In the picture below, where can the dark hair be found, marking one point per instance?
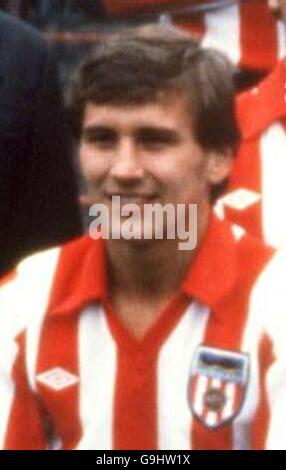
(142, 65)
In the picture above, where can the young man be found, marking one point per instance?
(257, 191)
(132, 342)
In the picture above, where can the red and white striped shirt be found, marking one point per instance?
(245, 30)
(80, 381)
(257, 191)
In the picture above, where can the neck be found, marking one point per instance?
(154, 268)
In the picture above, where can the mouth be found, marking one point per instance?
(134, 198)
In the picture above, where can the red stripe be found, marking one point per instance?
(246, 174)
(135, 421)
(258, 35)
(246, 171)
(262, 106)
(261, 420)
(135, 415)
(59, 348)
(205, 410)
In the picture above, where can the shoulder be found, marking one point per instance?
(253, 252)
(38, 270)
(40, 264)
(269, 300)
(249, 255)
(253, 258)
(29, 288)
(20, 292)
(271, 285)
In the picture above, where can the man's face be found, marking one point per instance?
(278, 7)
(146, 154)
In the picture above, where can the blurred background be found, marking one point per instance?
(244, 29)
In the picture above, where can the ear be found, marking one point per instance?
(84, 200)
(219, 166)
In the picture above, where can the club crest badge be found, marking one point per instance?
(217, 385)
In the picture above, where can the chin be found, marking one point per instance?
(136, 235)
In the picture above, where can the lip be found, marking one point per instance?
(130, 197)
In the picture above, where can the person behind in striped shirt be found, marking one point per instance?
(129, 342)
(242, 29)
(257, 189)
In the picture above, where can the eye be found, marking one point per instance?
(156, 139)
(153, 143)
(102, 138)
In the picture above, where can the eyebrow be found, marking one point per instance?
(141, 133)
(158, 133)
(90, 132)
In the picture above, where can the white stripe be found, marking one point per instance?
(216, 383)
(38, 275)
(242, 424)
(223, 31)
(268, 308)
(7, 358)
(11, 320)
(97, 364)
(201, 388)
(281, 40)
(229, 393)
(276, 387)
(273, 158)
(24, 297)
(211, 419)
(32, 279)
(174, 415)
(10, 324)
(271, 295)
(253, 332)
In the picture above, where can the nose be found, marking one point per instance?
(127, 165)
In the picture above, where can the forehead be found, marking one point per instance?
(169, 112)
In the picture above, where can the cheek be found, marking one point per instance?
(195, 165)
(181, 162)
(92, 167)
(183, 177)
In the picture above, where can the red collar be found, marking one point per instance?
(81, 276)
(213, 271)
(263, 105)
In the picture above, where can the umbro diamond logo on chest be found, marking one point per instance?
(57, 379)
(241, 199)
